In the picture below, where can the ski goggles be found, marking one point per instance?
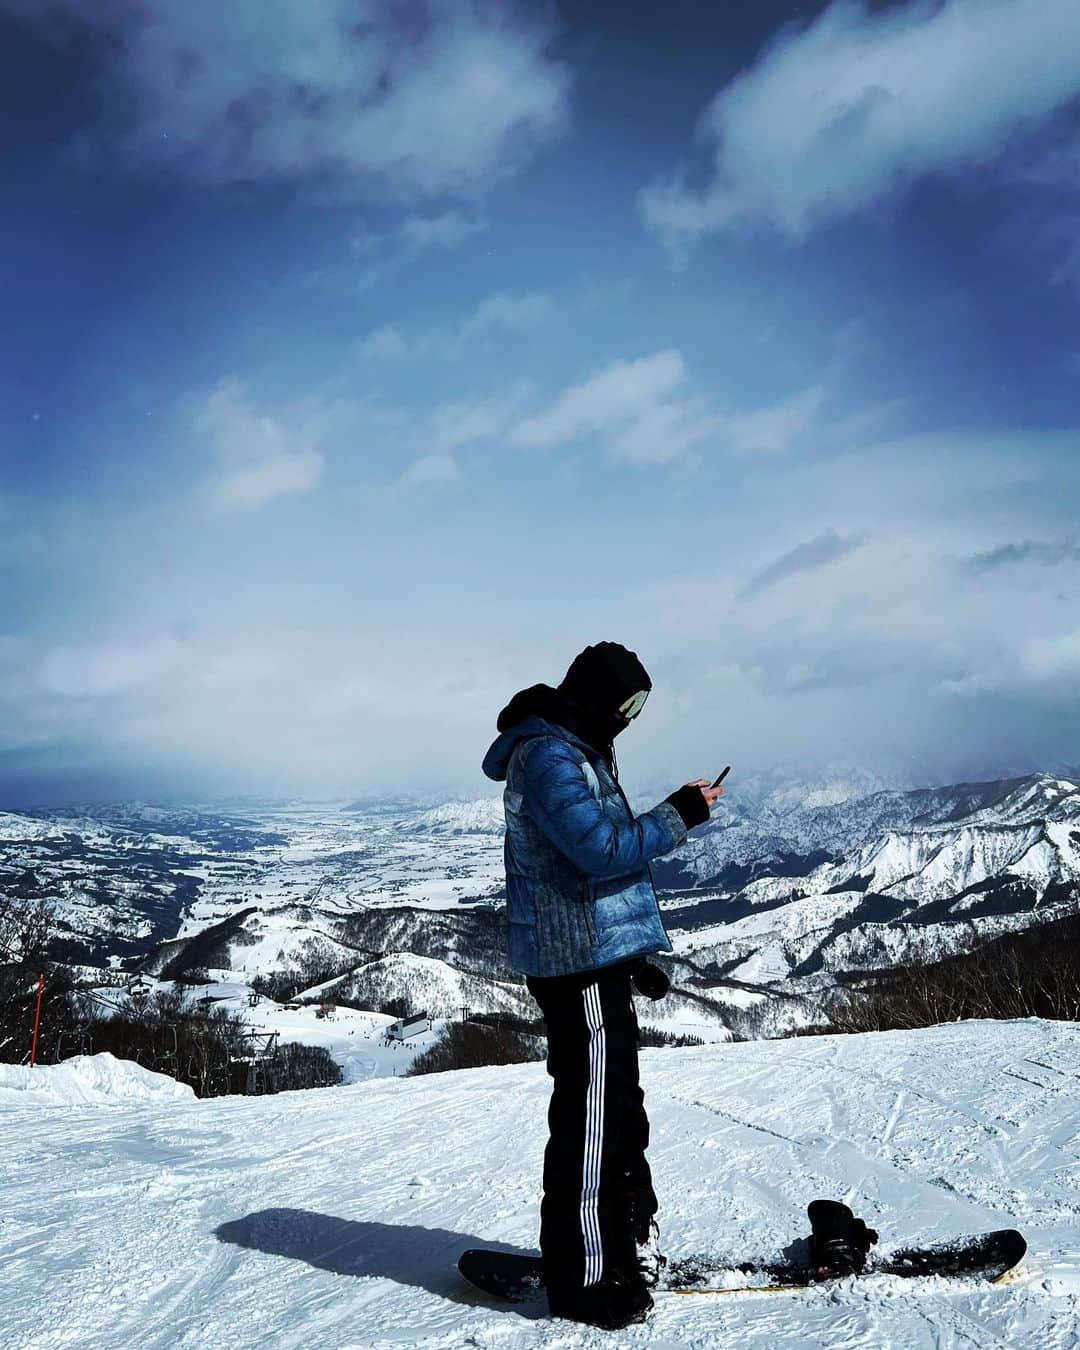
(633, 704)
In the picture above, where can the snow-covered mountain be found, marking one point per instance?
(911, 876)
(482, 816)
(335, 1218)
(790, 886)
(781, 840)
(427, 985)
(119, 878)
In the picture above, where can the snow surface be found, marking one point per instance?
(87, 1080)
(333, 1218)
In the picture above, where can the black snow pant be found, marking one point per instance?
(596, 1178)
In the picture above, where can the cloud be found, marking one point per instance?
(513, 313)
(387, 343)
(305, 673)
(773, 429)
(867, 421)
(645, 414)
(423, 99)
(251, 487)
(261, 459)
(1028, 551)
(436, 439)
(436, 468)
(467, 422)
(1053, 659)
(417, 234)
(809, 557)
(638, 407)
(104, 669)
(838, 115)
(500, 313)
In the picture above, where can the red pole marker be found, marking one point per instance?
(37, 1017)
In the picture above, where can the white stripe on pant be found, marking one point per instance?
(594, 1137)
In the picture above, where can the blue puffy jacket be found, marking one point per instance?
(579, 892)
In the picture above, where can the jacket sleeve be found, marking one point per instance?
(558, 798)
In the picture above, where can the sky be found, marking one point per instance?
(363, 361)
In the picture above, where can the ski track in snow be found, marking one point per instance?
(334, 1218)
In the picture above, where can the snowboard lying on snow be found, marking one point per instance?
(987, 1258)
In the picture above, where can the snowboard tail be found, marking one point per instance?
(512, 1276)
(987, 1258)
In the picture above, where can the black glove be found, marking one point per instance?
(650, 981)
(690, 803)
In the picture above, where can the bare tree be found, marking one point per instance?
(1034, 973)
(26, 928)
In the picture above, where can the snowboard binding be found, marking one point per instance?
(650, 1259)
(839, 1241)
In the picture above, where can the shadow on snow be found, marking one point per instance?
(406, 1253)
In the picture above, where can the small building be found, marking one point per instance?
(405, 1027)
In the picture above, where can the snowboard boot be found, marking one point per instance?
(838, 1240)
(615, 1301)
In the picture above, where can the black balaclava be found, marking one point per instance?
(587, 701)
(600, 679)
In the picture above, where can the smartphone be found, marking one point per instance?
(722, 776)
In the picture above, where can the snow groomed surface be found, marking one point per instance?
(334, 1218)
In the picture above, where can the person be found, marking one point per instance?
(582, 916)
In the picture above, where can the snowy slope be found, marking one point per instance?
(333, 1218)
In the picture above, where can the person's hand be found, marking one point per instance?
(711, 794)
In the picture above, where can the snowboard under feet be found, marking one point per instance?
(986, 1258)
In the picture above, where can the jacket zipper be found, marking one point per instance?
(590, 912)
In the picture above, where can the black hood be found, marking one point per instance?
(587, 700)
(602, 677)
(539, 700)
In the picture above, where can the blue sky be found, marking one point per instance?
(365, 361)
